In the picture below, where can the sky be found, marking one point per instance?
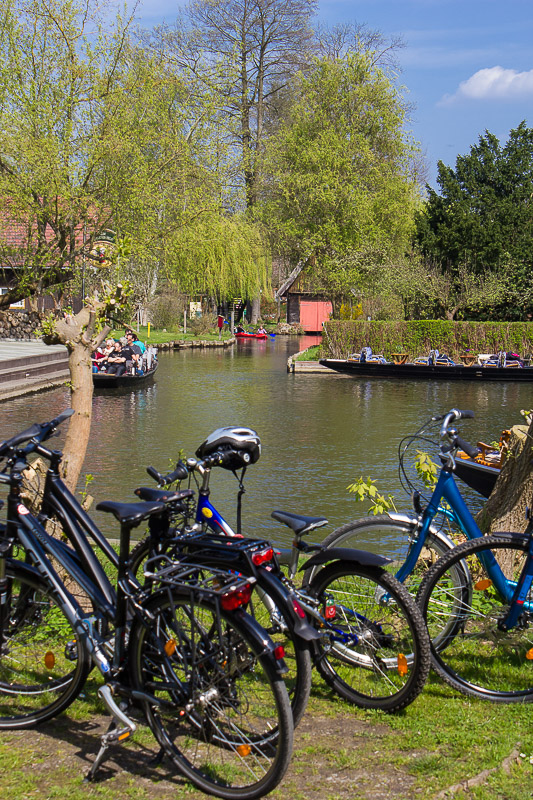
(467, 65)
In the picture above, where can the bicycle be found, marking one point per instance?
(360, 643)
(457, 591)
(205, 675)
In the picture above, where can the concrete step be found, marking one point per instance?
(40, 358)
(37, 383)
(31, 368)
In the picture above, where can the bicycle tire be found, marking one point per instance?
(43, 663)
(479, 659)
(392, 539)
(384, 659)
(297, 653)
(225, 719)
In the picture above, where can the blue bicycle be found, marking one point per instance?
(476, 597)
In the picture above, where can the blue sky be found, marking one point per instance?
(467, 65)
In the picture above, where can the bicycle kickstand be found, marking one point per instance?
(120, 728)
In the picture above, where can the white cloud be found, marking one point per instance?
(494, 83)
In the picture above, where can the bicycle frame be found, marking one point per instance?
(446, 489)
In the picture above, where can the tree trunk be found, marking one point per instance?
(256, 309)
(79, 429)
(505, 510)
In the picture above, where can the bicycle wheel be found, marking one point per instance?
(224, 717)
(391, 538)
(43, 664)
(375, 650)
(479, 658)
(279, 627)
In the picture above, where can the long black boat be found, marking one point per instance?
(103, 380)
(452, 372)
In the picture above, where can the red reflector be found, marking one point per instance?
(279, 652)
(329, 610)
(261, 556)
(236, 598)
(298, 610)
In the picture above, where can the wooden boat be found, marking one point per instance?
(449, 372)
(481, 472)
(251, 335)
(103, 380)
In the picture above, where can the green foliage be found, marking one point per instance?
(418, 337)
(481, 220)
(367, 490)
(339, 172)
(426, 469)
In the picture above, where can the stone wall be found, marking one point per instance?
(19, 325)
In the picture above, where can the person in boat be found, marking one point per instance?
(101, 355)
(366, 353)
(239, 329)
(116, 362)
(260, 329)
(132, 353)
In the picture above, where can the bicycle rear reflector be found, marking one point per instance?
(279, 652)
(529, 654)
(170, 647)
(403, 669)
(236, 598)
(262, 556)
(483, 584)
(49, 660)
(298, 610)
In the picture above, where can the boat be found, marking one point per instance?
(479, 475)
(439, 370)
(104, 380)
(251, 335)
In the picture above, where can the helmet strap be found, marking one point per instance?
(239, 499)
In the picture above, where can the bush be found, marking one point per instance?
(418, 337)
(207, 323)
(166, 311)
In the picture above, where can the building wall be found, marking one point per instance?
(313, 313)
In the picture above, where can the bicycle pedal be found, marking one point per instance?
(123, 722)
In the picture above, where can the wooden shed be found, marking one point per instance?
(305, 304)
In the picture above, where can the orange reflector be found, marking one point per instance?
(403, 669)
(49, 660)
(529, 654)
(124, 736)
(243, 749)
(170, 647)
(483, 584)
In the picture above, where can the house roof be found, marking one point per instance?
(284, 288)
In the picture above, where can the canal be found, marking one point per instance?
(319, 432)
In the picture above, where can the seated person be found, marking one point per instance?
(132, 353)
(239, 328)
(132, 338)
(260, 329)
(116, 362)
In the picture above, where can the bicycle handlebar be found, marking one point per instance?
(182, 470)
(37, 433)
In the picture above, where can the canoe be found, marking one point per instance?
(101, 380)
(251, 335)
(452, 372)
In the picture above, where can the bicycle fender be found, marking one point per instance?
(262, 644)
(363, 557)
(284, 598)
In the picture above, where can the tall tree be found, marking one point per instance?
(339, 181)
(481, 221)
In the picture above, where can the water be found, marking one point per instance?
(319, 432)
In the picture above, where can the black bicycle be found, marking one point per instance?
(370, 644)
(206, 675)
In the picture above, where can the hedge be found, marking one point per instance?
(418, 337)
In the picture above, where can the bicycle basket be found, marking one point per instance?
(419, 460)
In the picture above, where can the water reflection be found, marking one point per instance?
(319, 432)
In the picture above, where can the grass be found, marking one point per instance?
(341, 753)
(313, 353)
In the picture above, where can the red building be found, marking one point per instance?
(305, 305)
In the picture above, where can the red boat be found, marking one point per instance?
(251, 335)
